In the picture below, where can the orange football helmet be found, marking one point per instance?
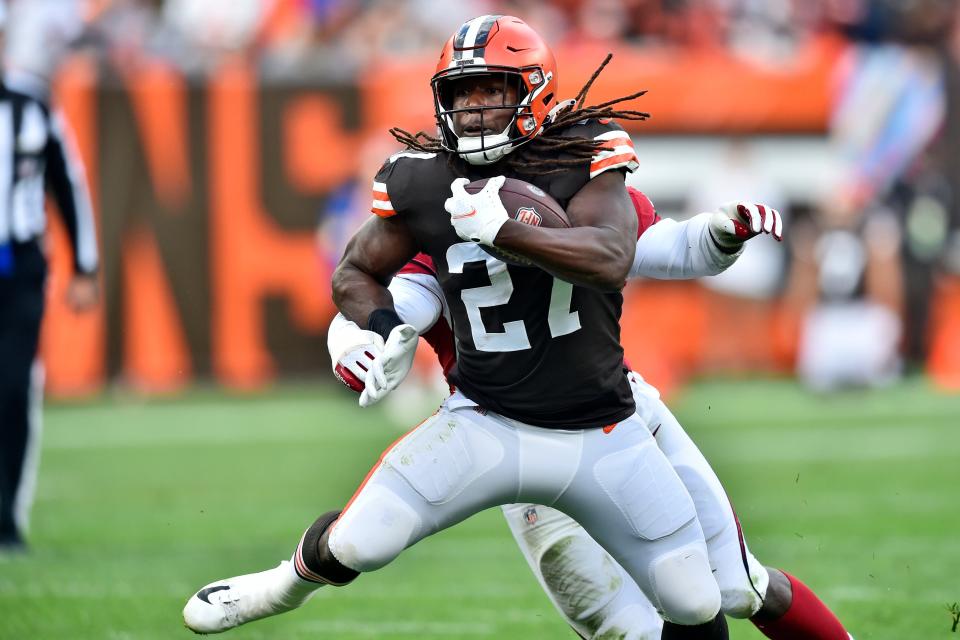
(496, 45)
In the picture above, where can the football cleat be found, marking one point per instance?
(235, 601)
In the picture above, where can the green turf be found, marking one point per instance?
(141, 503)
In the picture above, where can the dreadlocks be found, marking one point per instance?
(539, 155)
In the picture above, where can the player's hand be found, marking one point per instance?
(352, 367)
(737, 222)
(352, 352)
(388, 371)
(476, 216)
(83, 292)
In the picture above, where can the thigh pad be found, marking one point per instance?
(646, 490)
(445, 455)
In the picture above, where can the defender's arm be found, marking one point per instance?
(672, 250)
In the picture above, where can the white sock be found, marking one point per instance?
(291, 589)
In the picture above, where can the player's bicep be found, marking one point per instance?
(603, 202)
(379, 248)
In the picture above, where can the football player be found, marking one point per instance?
(543, 410)
(593, 593)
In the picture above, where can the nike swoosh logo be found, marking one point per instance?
(654, 432)
(204, 594)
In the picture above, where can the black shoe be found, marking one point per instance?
(12, 543)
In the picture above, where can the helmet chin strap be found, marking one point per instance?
(472, 149)
(476, 149)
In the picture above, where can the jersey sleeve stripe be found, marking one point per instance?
(610, 135)
(381, 201)
(383, 209)
(614, 151)
(613, 143)
(625, 160)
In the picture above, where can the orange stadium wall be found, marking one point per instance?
(208, 194)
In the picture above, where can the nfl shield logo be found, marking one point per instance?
(530, 515)
(528, 215)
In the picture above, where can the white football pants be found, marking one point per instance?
(615, 482)
(591, 590)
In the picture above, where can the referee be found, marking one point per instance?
(34, 158)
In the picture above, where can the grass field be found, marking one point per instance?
(141, 503)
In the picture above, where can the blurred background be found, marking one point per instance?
(229, 146)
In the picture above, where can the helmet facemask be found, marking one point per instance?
(487, 147)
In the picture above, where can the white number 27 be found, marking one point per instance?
(514, 337)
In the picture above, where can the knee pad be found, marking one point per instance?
(313, 560)
(742, 579)
(685, 588)
(374, 530)
(740, 603)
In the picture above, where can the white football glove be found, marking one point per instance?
(352, 352)
(737, 222)
(476, 216)
(388, 371)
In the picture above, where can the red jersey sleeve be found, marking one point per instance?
(646, 213)
(422, 264)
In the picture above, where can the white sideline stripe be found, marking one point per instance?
(888, 441)
(84, 590)
(386, 628)
(860, 593)
(81, 589)
(124, 441)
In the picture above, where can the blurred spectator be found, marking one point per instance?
(37, 153)
(552, 20)
(348, 206)
(890, 124)
(849, 270)
(758, 274)
(765, 31)
(742, 295)
(38, 35)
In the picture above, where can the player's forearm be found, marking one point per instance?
(357, 294)
(378, 249)
(671, 250)
(595, 257)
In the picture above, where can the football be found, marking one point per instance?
(526, 203)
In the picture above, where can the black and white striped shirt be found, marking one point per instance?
(36, 155)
